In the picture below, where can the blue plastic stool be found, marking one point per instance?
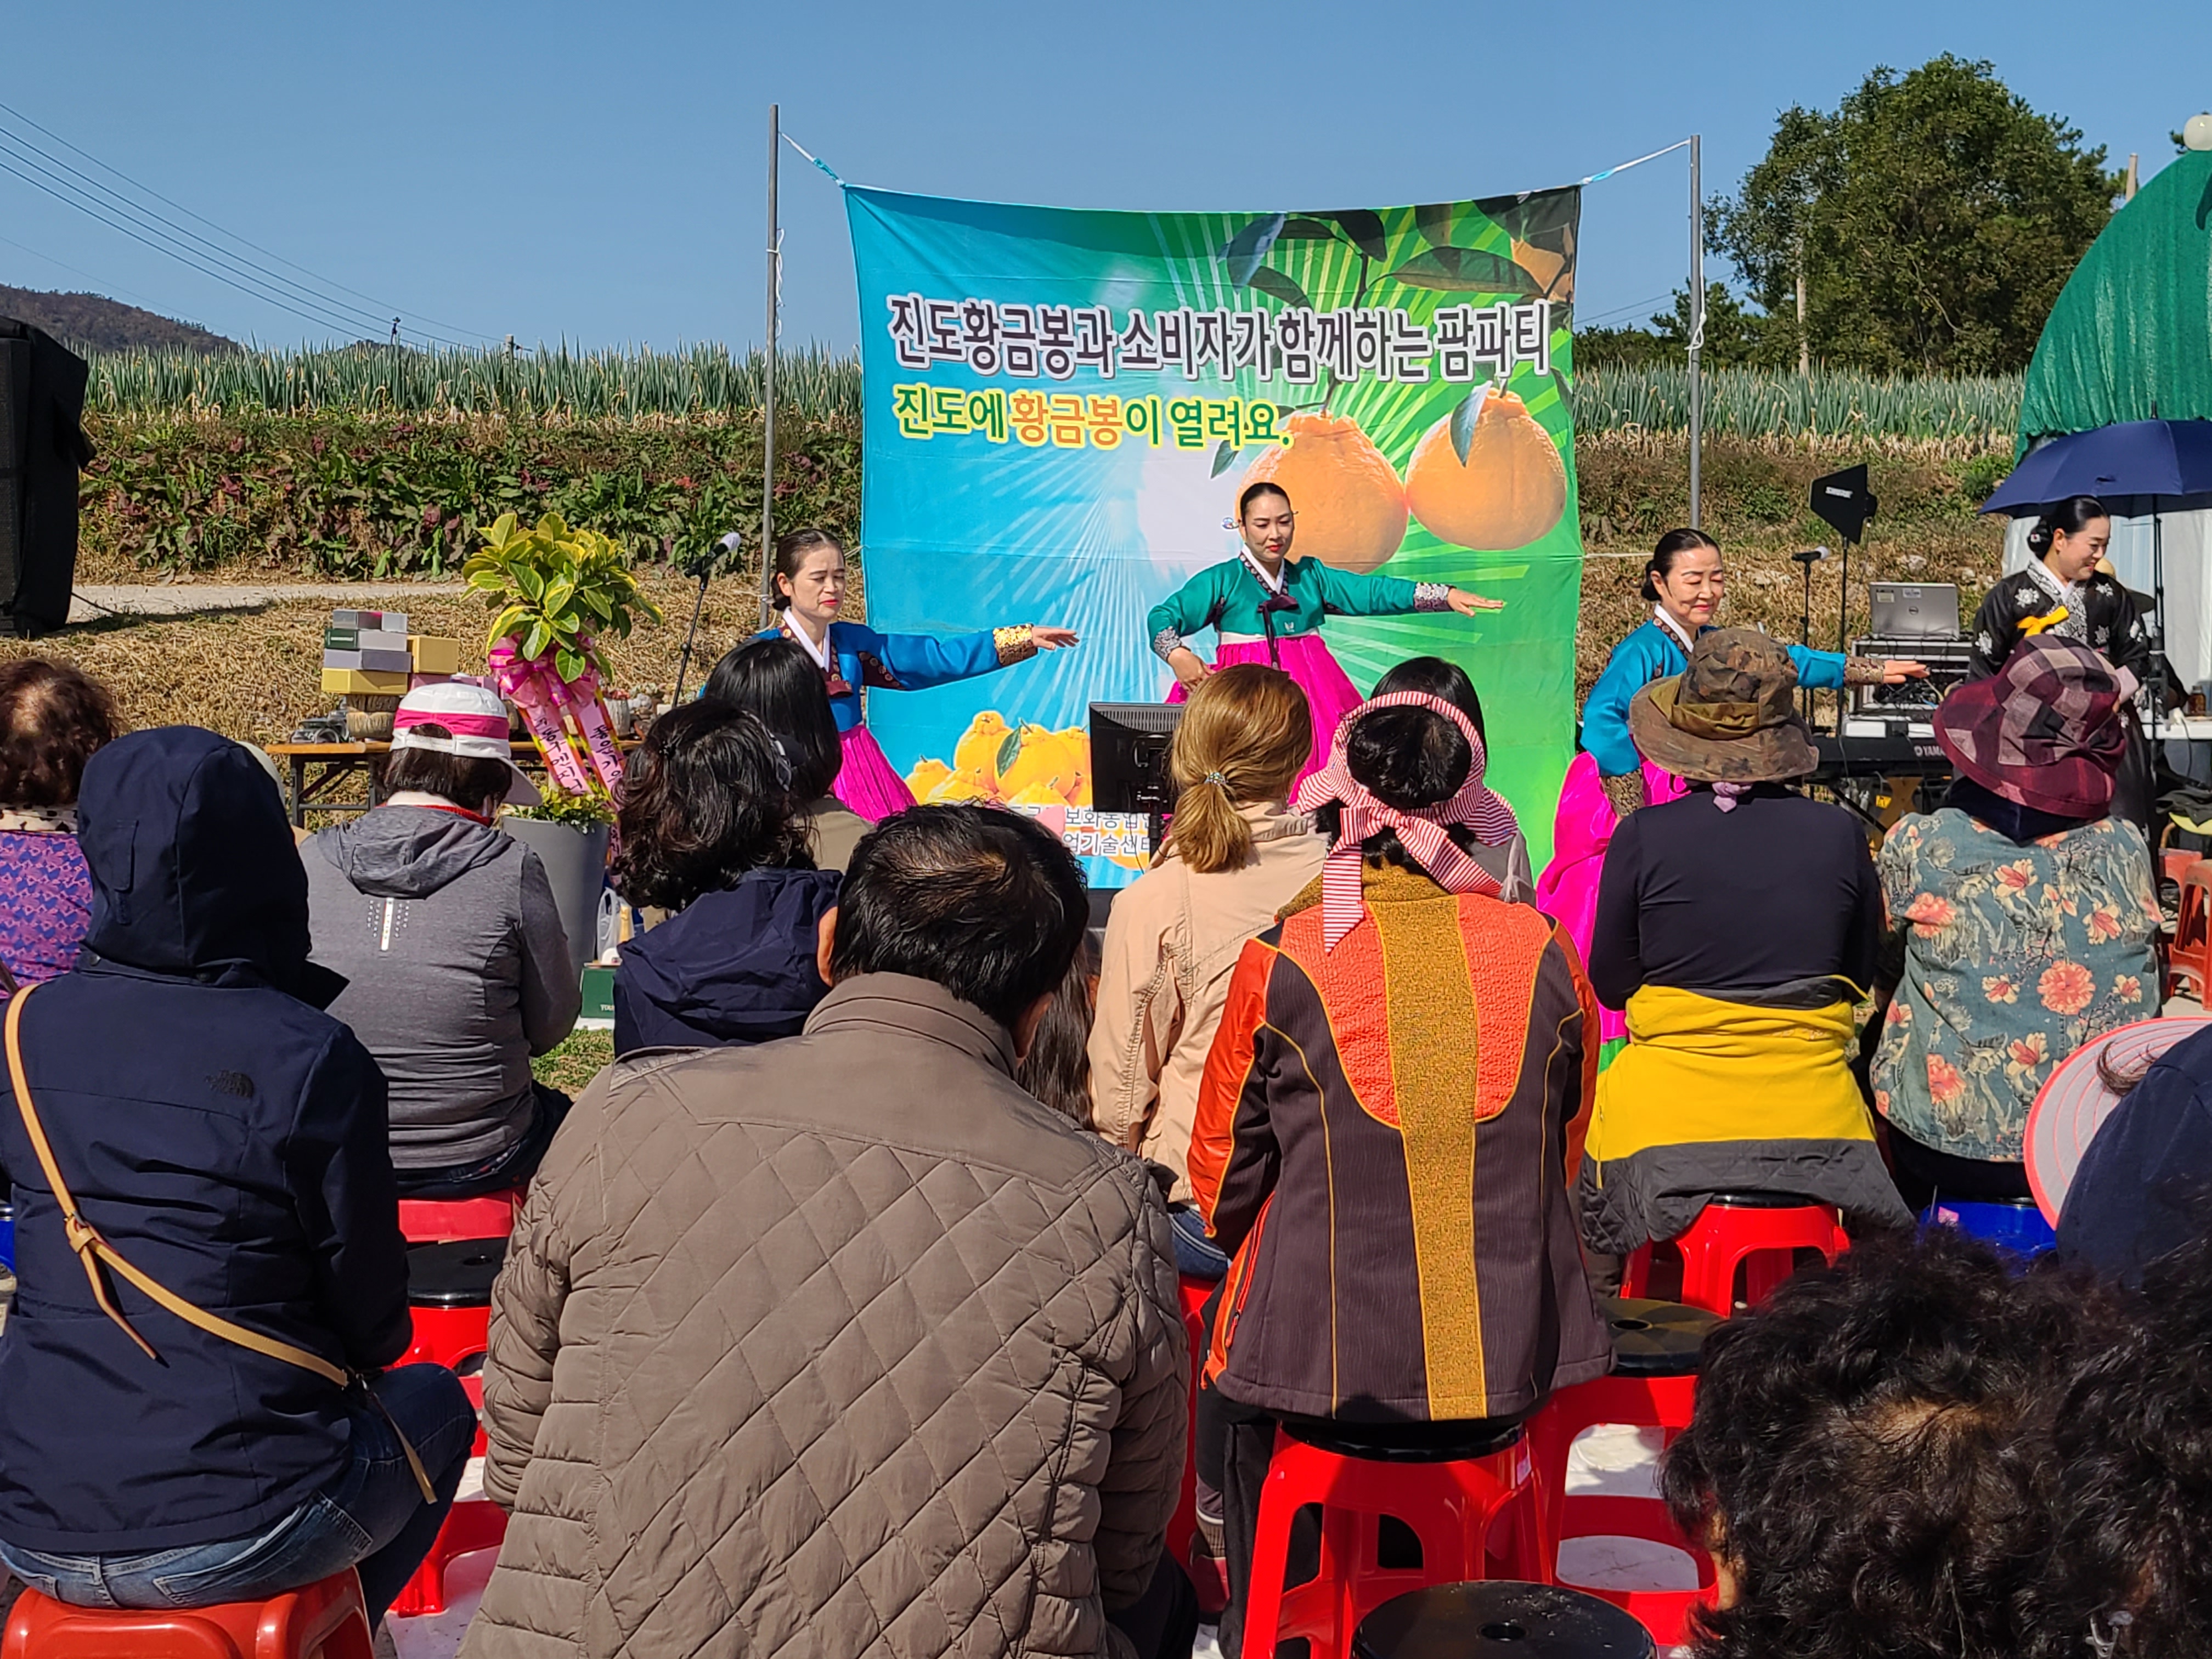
(2017, 1225)
(7, 1237)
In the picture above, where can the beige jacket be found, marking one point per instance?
(834, 1346)
(1172, 941)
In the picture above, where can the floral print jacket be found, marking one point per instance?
(2015, 957)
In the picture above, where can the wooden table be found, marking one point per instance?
(342, 760)
(339, 761)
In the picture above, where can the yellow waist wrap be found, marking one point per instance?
(1698, 1068)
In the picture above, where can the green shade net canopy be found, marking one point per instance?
(2130, 338)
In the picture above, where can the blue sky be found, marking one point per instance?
(595, 171)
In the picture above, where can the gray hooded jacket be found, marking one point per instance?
(457, 972)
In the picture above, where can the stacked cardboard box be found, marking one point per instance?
(371, 654)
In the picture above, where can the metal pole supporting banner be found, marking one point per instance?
(768, 375)
(1697, 320)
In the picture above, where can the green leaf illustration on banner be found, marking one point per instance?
(1465, 271)
(1420, 425)
(1249, 246)
(1366, 231)
(1273, 283)
(1464, 417)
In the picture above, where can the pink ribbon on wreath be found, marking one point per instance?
(1423, 829)
(533, 687)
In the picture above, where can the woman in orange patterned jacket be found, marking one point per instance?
(1406, 1062)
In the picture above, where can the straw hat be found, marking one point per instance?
(2075, 1100)
(1731, 717)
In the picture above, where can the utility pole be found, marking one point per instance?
(1697, 327)
(768, 375)
(1804, 334)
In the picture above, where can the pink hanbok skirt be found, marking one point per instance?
(866, 782)
(1329, 691)
(1567, 890)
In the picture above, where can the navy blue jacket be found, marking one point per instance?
(2145, 1184)
(228, 1139)
(733, 967)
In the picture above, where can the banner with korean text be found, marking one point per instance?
(1062, 405)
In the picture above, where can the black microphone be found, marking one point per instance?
(1810, 555)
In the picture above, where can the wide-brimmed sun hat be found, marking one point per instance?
(478, 720)
(2075, 1100)
(2044, 731)
(1730, 717)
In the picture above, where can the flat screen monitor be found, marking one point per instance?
(1129, 755)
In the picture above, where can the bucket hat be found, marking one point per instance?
(478, 720)
(2045, 730)
(1730, 717)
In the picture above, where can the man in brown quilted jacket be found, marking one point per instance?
(843, 1344)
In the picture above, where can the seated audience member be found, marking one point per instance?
(710, 829)
(2140, 1191)
(2030, 919)
(226, 1138)
(1509, 859)
(1235, 854)
(918, 1385)
(2134, 1449)
(54, 717)
(445, 930)
(1870, 1459)
(1737, 926)
(776, 680)
(1057, 1068)
(1398, 1086)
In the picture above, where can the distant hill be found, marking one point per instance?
(94, 322)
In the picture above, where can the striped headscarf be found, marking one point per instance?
(1422, 829)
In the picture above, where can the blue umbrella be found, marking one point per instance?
(2134, 458)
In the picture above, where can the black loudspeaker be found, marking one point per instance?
(42, 450)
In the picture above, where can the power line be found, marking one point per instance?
(182, 259)
(116, 201)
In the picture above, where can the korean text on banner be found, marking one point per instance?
(1062, 405)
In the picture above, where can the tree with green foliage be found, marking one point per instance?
(1732, 336)
(1928, 223)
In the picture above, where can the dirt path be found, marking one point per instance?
(90, 601)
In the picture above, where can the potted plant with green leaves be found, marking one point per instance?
(555, 592)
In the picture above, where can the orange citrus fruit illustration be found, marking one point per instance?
(1351, 507)
(1511, 489)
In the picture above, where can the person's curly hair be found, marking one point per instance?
(1869, 1456)
(707, 797)
(2134, 1441)
(53, 718)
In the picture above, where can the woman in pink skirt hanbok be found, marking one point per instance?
(810, 585)
(1266, 607)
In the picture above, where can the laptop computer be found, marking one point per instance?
(1914, 610)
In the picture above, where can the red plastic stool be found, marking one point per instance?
(1183, 1527)
(449, 1300)
(1452, 1504)
(325, 1620)
(1653, 1385)
(440, 1220)
(2188, 959)
(1759, 1233)
(472, 1524)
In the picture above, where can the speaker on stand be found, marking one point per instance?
(43, 448)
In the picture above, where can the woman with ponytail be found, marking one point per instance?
(1235, 855)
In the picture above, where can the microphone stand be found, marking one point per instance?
(1805, 561)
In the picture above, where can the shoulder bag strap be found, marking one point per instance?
(95, 1252)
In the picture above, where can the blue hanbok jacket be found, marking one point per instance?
(1652, 653)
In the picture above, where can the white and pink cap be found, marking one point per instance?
(478, 720)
